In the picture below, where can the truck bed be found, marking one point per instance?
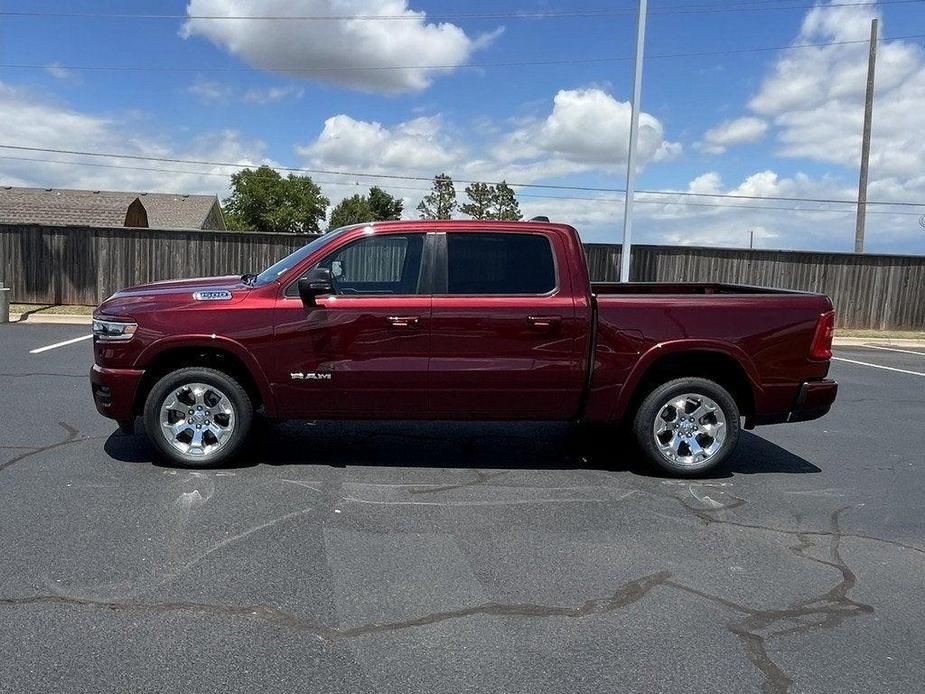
(682, 288)
(769, 332)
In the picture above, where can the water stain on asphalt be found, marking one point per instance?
(481, 477)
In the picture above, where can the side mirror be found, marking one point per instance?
(316, 283)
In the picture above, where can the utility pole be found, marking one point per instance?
(751, 238)
(631, 153)
(865, 140)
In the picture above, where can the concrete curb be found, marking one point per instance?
(877, 341)
(51, 318)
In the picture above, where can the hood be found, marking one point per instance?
(229, 282)
(172, 294)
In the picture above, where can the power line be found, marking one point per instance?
(327, 18)
(354, 185)
(543, 14)
(521, 194)
(511, 63)
(430, 179)
(707, 9)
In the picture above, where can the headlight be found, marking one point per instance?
(113, 331)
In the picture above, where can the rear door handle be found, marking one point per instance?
(404, 321)
(544, 322)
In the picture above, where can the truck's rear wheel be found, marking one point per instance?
(687, 426)
(197, 417)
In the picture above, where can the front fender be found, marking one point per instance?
(213, 341)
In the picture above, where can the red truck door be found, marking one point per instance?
(363, 352)
(505, 339)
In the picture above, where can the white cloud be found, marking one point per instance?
(815, 96)
(668, 151)
(540, 148)
(704, 220)
(210, 91)
(272, 94)
(417, 145)
(60, 73)
(303, 47)
(733, 132)
(42, 123)
(590, 129)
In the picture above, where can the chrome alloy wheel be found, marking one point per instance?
(197, 419)
(689, 429)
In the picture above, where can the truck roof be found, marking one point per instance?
(469, 225)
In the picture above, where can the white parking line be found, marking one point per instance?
(895, 349)
(59, 344)
(878, 366)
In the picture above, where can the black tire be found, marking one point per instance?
(174, 382)
(659, 401)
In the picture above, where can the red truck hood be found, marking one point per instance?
(229, 282)
(171, 293)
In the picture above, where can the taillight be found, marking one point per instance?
(822, 340)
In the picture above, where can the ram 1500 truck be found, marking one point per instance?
(463, 320)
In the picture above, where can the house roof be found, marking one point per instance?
(105, 208)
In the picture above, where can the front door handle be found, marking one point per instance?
(404, 321)
(544, 322)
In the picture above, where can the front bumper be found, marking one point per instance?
(814, 399)
(114, 391)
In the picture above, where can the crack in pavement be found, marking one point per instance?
(625, 595)
(825, 611)
(755, 629)
(73, 436)
(704, 515)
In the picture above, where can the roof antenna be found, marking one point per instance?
(540, 218)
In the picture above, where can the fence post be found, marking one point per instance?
(4, 304)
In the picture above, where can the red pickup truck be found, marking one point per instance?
(469, 320)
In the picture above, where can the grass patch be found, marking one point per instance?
(46, 309)
(883, 334)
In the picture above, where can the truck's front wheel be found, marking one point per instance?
(197, 416)
(687, 426)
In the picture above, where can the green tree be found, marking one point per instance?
(384, 206)
(440, 203)
(352, 210)
(376, 207)
(262, 200)
(504, 205)
(487, 201)
(481, 199)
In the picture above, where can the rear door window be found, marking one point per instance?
(499, 264)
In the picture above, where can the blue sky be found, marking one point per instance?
(777, 123)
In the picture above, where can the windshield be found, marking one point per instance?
(272, 273)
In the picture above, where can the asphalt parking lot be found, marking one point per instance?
(343, 557)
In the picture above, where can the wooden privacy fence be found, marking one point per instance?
(84, 265)
(880, 292)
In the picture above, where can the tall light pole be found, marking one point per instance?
(631, 153)
(865, 140)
